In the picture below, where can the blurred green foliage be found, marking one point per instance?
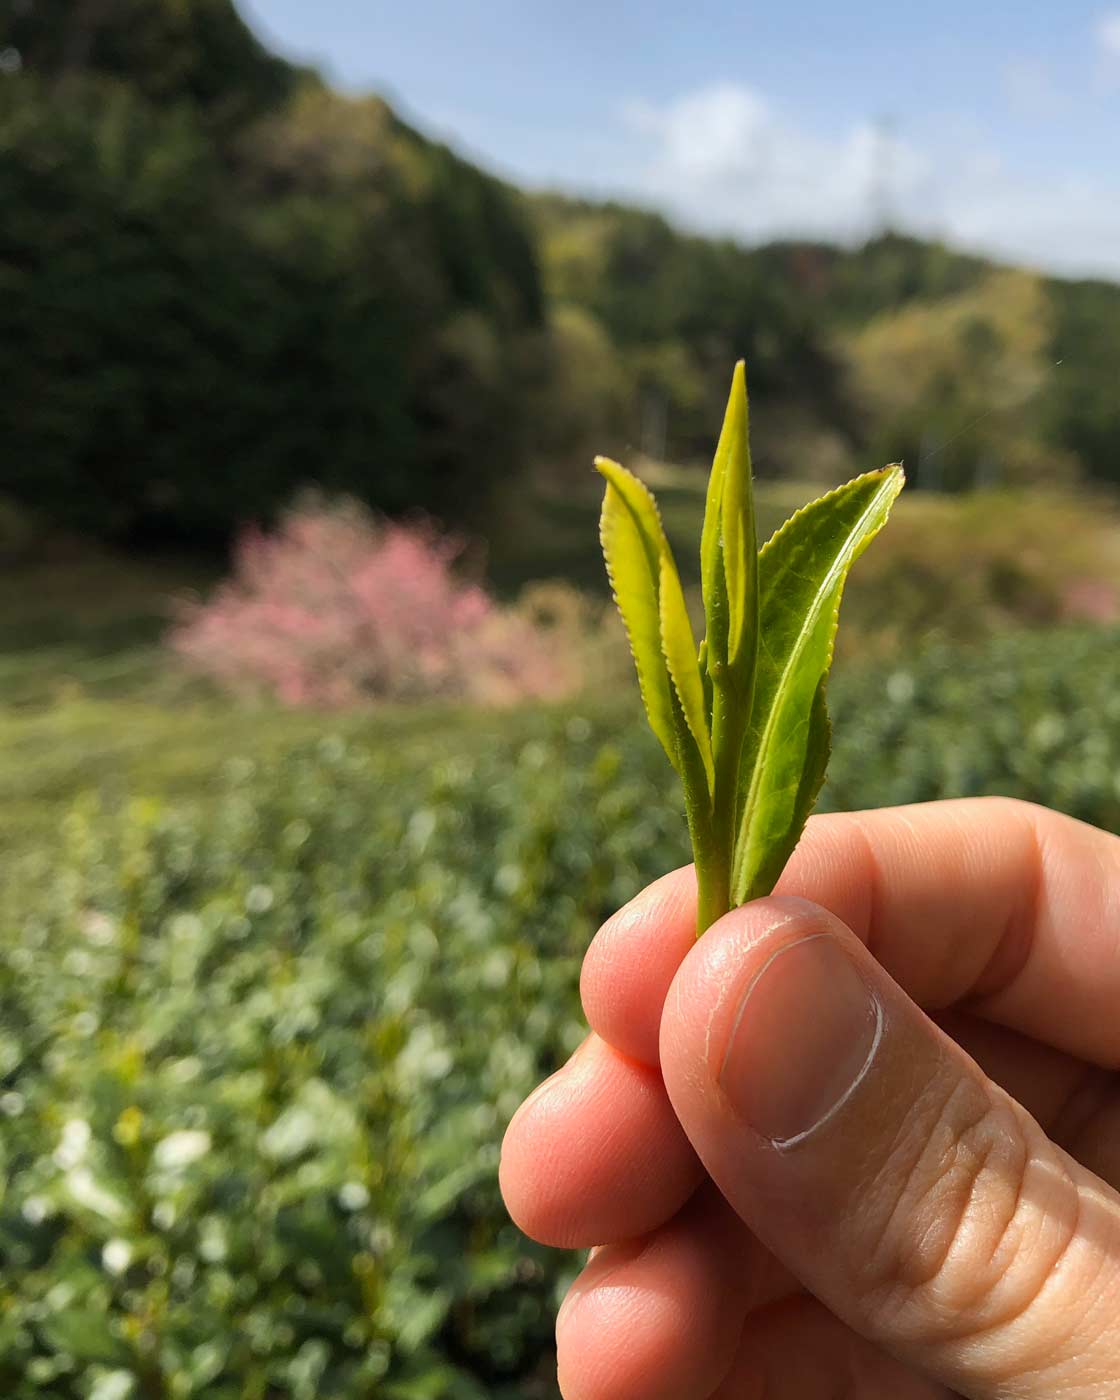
(295, 1034)
(257, 1050)
(960, 388)
(201, 51)
(901, 349)
(679, 310)
(221, 281)
(263, 1018)
(199, 315)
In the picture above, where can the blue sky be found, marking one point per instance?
(994, 124)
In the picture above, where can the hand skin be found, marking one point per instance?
(862, 1139)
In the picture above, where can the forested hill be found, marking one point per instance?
(220, 280)
(891, 350)
(200, 52)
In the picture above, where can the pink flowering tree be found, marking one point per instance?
(337, 608)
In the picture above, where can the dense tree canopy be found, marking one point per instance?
(200, 315)
(681, 309)
(221, 280)
(170, 51)
(960, 387)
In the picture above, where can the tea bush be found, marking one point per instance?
(257, 1055)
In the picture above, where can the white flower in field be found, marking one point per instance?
(86, 1191)
(84, 1024)
(73, 1144)
(352, 1195)
(163, 1215)
(113, 1385)
(99, 929)
(77, 963)
(35, 1210)
(12, 1103)
(292, 1133)
(60, 1296)
(184, 1070)
(423, 1056)
(116, 1256)
(213, 1239)
(180, 1149)
(259, 899)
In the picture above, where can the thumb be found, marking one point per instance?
(865, 1149)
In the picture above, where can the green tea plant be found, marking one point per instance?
(347, 960)
(743, 717)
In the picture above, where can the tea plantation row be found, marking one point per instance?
(256, 1058)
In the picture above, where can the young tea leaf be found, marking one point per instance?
(679, 648)
(744, 720)
(633, 543)
(801, 576)
(706, 680)
(738, 539)
(713, 581)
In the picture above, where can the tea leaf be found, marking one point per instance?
(713, 580)
(679, 648)
(744, 719)
(706, 679)
(633, 543)
(801, 576)
(740, 546)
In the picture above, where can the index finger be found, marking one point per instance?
(1003, 907)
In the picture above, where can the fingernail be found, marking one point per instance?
(803, 1038)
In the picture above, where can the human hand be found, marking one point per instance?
(869, 1152)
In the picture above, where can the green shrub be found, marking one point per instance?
(347, 981)
(961, 568)
(193, 328)
(257, 1056)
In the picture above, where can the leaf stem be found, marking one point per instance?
(730, 713)
(713, 881)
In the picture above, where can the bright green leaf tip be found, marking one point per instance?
(740, 545)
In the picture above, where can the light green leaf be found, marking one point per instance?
(679, 647)
(801, 576)
(713, 583)
(730, 450)
(633, 542)
(706, 680)
(740, 546)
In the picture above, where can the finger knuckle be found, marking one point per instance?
(978, 1208)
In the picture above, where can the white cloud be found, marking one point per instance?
(1030, 88)
(714, 131)
(1108, 34)
(725, 160)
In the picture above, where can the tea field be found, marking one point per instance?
(272, 986)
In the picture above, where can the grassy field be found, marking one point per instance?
(281, 937)
(88, 699)
(331, 970)
(79, 619)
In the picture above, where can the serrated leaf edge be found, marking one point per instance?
(661, 725)
(690, 697)
(894, 473)
(892, 468)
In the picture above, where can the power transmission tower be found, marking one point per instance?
(881, 190)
